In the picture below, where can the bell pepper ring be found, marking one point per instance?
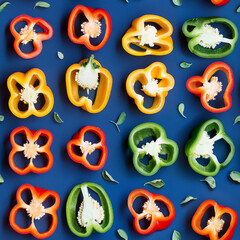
(215, 224)
(150, 211)
(208, 86)
(29, 94)
(201, 144)
(89, 75)
(92, 216)
(28, 34)
(30, 150)
(220, 2)
(91, 28)
(35, 210)
(161, 145)
(87, 148)
(147, 37)
(156, 83)
(203, 39)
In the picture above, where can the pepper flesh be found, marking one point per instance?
(35, 210)
(202, 145)
(203, 38)
(87, 147)
(148, 36)
(91, 28)
(216, 223)
(87, 221)
(156, 83)
(220, 2)
(28, 34)
(207, 86)
(29, 93)
(30, 150)
(161, 145)
(150, 211)
(89, 74)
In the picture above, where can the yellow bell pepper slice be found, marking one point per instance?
(156, 83)
(25, 88)
(147, 37)
(89, 74)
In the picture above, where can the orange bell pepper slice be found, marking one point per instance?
(32, 84)
(30, 150)
(149, 39)
(151, 86)
(28, 34)
(150, 211)
(207, 86)
(35, 210)
(90, 75)
(215, 224)
(88, 148)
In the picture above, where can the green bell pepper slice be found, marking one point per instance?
(91, 215)
(203, 38)
(202, 144)
(158, 147)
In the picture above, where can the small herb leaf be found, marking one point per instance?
(57, 118)
(122, 234)
(238, 9)
(1, 179)
(121, 118)
(177, 2)
(108, 177)
(176, 235)
(157, 183)
(237, 119)
(1, 118)
(181, 108)
(3, 5)
(235, 176)
(210, 181)
(115, 125)
(42, 4)
(188, 199)
(60, 55)
(185, 65)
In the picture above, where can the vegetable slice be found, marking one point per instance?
(122, 234)
(42, 4)
(57, 118)
(176, 235)
(60, 55)
(235, 176)
(3, 5)
(237, 119)
(177, 2)
(1, 179)
(157, 183)
(188, 199)
(108, 177)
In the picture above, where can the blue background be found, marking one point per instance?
(180, 179)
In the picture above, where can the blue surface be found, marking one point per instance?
(180, 179)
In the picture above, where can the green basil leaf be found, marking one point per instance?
(177, 2)
(108, 177)
(42, 4)
(176, 235)
(237, 119)
(57, 118)
(188, 199)
(181, 108)
(238, 10)
(210, 181)
(1, 179)
(157, 183)
(121, 118)
(3, 5)
(1, 118)
(185, 65)
(235, 176)
(60, 55)
(122, 234)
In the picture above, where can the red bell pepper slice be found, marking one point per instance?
(207, 86)
(215, 224)
(150, 211)
(28, 34)
(87, 147)
(220, 2)
(30, 150)
(91, 28)
(35, 210)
